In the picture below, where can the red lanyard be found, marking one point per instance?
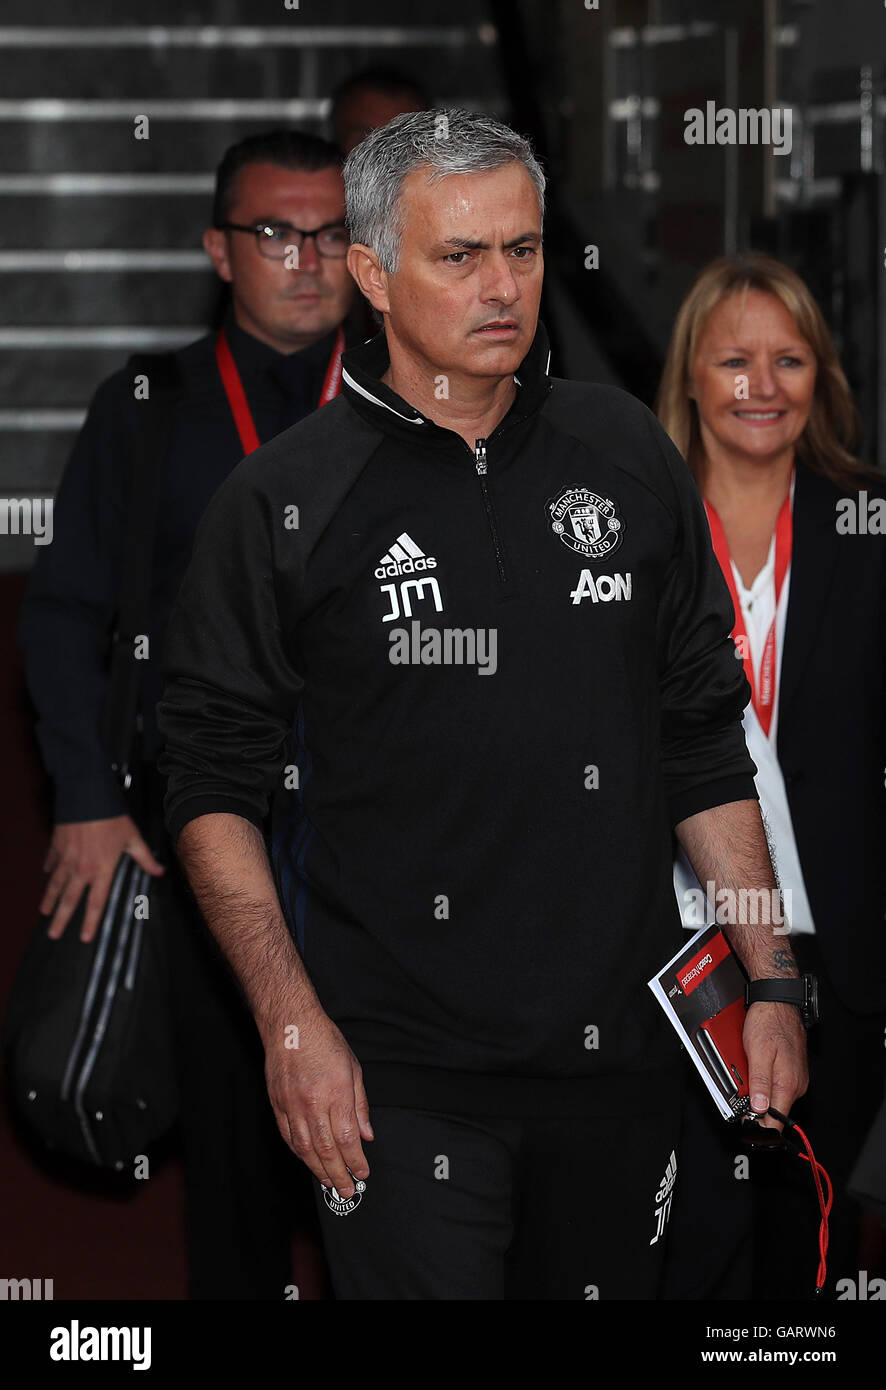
(764, 698)
(237, 396)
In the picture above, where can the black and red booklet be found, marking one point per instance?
(702, 991)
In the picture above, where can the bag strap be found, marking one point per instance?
(163, 376)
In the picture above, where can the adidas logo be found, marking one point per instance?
(404, 557)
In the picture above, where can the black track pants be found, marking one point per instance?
(466, 1208)
(244, 1189)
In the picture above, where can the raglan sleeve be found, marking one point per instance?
(703, 688)
(230, 691)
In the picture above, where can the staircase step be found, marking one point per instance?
(158, 221)
(36, 299)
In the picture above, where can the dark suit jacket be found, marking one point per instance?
(831, 737)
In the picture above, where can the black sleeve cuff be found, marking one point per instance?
(98, 796)
(195, 806)
(702, 798)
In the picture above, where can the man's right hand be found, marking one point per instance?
(316, 1090)
(85, 854)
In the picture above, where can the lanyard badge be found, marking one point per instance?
(237, 396)
(763, 697)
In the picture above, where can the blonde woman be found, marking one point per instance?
(756, 400)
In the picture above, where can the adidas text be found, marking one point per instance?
(424, 562)
(404, 557)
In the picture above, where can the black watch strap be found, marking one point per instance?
(802, 992)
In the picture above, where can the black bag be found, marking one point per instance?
(87, 1036)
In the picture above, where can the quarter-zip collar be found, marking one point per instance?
(364, 366)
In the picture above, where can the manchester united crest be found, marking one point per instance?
(338, 1204)
(586, 523)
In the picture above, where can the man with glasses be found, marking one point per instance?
(278, 240)
(260, 235)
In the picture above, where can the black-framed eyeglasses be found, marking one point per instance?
(275, 239)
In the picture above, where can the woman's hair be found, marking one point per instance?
(831, 431)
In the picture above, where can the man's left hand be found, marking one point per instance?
(775, 1044)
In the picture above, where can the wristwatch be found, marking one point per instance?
(803, 992)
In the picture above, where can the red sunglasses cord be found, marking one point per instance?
(824, 1206)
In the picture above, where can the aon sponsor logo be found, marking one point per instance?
(604, 588)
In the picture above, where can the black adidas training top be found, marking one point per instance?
(507, 686)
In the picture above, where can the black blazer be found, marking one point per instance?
(831, 737)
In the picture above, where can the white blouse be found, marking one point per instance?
(758, 610)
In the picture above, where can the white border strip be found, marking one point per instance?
(841, 112)
(104, 336)
(247, 36)
(624, 36)
(91, 184)
(103, 260)
(42, 419)
(65, 109)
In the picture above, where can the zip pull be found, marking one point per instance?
(482, 470)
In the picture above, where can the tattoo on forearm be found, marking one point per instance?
(783, 960)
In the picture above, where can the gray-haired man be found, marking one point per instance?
(477, 882)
